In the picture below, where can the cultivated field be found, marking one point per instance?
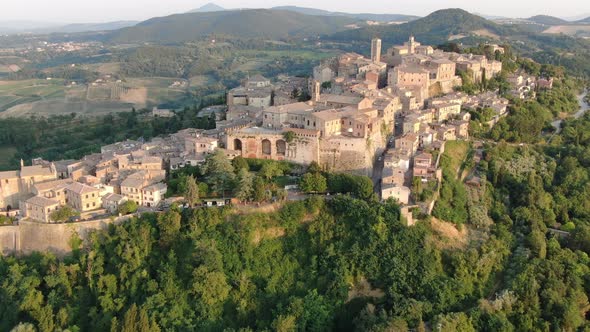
(10, 64)
(53, 97)
(570, 30)
(60, 107)
(14, 93)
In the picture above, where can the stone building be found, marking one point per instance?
(83, 198)
(18, 185)
(40, 208)
(55, 190)
(263, 143)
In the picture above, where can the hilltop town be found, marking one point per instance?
(387, 117)
(295, 169)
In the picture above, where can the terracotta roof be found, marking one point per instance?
(290, 108)
(9, 175)
(80, 188)
(41, 201)
(113, 197)
(423, 155)
(36, 170)
(329, 115)
(52, 185)
(330, 98)
(150, 160)
(131, 182)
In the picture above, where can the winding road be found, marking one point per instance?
(584, 107)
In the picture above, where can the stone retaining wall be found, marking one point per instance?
(31, 236)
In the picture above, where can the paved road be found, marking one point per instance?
(584, 107)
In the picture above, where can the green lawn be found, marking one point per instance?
(456, 152)
(283, 181)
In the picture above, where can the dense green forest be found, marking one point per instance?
(430, 30)
(343, 264)
(252, 23)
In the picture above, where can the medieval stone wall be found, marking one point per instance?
(30, 236)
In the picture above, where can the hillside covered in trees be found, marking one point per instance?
(434, 29)
(346, 264)
(253, 23)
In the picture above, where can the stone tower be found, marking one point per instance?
(411, 45)
(376, 50)
(315, 89)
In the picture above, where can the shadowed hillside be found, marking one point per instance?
(435, 28)
(547, 20)
(257, 23)
(360, 16)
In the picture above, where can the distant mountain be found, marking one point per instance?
(434, 29)
(85, 27)
(305, 10)
(584, 21)
(491, 17)
(547, 20)
(208, 8)
(361, 16)
(252, 23)
(45, 28)
(19, 26)
(577, 17)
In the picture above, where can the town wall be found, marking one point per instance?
(9, 239)
(350, 154)
(30, 236)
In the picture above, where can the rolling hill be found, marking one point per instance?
(360, 16)
(547, 20)
(434, 29)
(254, 23)
(584, 21)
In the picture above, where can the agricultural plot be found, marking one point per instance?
(106, 68)
(277, 54)
(57, 107)
(200, 80)
(15, 93)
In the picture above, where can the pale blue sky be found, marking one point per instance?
(112, 10)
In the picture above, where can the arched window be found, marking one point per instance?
(238, 145)
(281, 147)
(266, 147)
